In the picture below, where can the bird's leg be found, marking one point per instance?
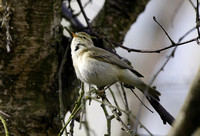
(101, 90)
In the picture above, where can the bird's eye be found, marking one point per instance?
(84, 38)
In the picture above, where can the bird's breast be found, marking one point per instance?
(97, 72)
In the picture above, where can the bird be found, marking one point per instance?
(99, 67)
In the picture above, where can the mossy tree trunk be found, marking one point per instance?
(27, 73)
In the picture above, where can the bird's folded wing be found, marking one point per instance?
(106, 56)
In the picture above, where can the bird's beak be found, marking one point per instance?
(73, 34)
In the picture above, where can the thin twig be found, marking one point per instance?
(192, 29)
(4, 125)
(84, 15)
(71, 131)
(118, 108)
(117, 115)
(108, 119)
(197, 18)
(76, 109)
(119, 92)
(141, 101)
(3, 113)
(60, 85)
(192, 4)
(126, 105)
(69, 16)
(172, 42)
(115, 101)
(154, 51)
(85, 117)
(172, 54)
(125, 102)
(107, 104)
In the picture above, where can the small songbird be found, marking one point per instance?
(102, 68)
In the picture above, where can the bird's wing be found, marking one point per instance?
(106, 56)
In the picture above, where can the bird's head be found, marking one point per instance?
(80, 41)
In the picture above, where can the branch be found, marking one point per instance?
(155, 51)
(60, 85)
(75, 110)
(71, 18)
(4, 125)
(116, 112)
(197, 18)
(188, 118)
(173, 44)
(85, 16)
(108, 118)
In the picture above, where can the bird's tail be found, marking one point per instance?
(149, 91)
(130, 78)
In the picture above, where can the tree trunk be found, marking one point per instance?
(28, 91)
(188, 120)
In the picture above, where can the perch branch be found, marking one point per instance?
(108, 119)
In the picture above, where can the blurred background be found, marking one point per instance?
(177, 17)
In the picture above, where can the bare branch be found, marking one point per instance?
(188, 118)
(108, 118)
(3, 113)
(197, 18)
(85, 16)
(72, 19)
(192, 4)
(172, 42)
(60, 85)
(154, 51)
(75, 110)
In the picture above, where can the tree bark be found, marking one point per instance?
(28, 92)
(188, 120)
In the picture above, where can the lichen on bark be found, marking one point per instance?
(28, 72)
